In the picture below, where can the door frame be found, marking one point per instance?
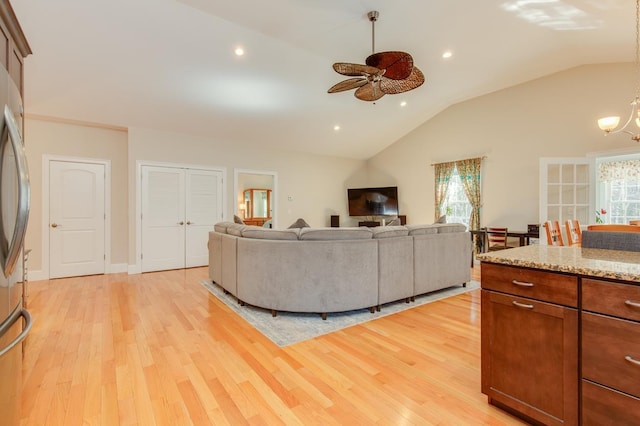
(46, 161)
(274, 190)
(136, 268)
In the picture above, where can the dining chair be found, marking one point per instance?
(554, 234)
(574, 233)
(617, 227)
(497, 239)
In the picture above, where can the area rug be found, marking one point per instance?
(288, 328)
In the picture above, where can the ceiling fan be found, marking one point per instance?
(385, 73)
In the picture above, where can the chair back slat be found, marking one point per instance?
(574, 233)
(554, 234)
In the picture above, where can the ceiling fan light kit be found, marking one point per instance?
(385, 73)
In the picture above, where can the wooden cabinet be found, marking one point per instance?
(13, 44)
(530, 342)
(610, 353)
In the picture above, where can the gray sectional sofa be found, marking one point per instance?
(326, 270)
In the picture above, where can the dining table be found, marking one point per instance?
(524, 237)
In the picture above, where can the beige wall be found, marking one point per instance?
(61, 139)
(554, 116)
(548, 117)
(316, 184)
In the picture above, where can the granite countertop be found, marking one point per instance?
(615, 264)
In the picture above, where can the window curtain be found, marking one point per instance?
(619, 170)
(469, 172)
(443, 173)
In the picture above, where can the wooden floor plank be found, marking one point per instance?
(158, 348)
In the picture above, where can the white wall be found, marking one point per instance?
(62, 139)
(554, 116)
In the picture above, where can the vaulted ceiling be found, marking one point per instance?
(170, 64)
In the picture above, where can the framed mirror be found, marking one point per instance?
(255, 196)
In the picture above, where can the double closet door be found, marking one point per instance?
(179, 208)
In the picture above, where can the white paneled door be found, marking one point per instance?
(76, 219)
(179, 208)
(203, 210)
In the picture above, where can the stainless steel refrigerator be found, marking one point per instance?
(15, 321)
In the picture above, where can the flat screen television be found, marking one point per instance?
(373, 201)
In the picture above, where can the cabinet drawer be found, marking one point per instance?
(611, 352)
(534, 284)
(621, 300)
(603, 406)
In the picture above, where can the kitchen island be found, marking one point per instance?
(561, 334)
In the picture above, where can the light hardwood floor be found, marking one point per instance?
(158, 349)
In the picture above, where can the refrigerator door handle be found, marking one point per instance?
(20, 228)
(15, 316)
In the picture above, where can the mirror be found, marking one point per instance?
(255, 200)
(257, 203)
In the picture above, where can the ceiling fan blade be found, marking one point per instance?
(353, 70)
(370, 92)
(351, 83)
(392, 87)
(397, 65)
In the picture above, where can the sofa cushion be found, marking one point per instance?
(444, 228)
(235, 229)
(389, 231)
(318, 234)
(442, 219)
(422, 229)
(237, 219)
(270, 234)
(221, 227)
(300, 223)
(611, 240)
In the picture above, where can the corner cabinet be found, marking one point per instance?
(530, 343)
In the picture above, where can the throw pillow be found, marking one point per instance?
(300, 223)
(394, 222)
(238, 219)
(442, 219)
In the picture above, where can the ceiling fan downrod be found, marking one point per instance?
(373, 17)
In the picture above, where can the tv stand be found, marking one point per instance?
(370, 223)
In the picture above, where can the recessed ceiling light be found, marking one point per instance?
(403, 103)
(336, 127)
(239, 51)
(448, 54)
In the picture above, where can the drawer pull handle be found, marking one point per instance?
(522, 305)
(521, 283)
(631, 360)
(630, 303)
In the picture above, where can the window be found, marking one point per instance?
(457, 205)
(619, 189)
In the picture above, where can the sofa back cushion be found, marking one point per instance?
(422, 229)
(261, 233)
(444, 228)
(235, 229)
(323, 234)
(389, 231)
(221, 227)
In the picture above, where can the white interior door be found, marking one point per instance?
(567, 191)
(163, 218)
(76, 219)
(203, 210)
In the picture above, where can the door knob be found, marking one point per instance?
(189, 222)
(54, 225)
(181, 223)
